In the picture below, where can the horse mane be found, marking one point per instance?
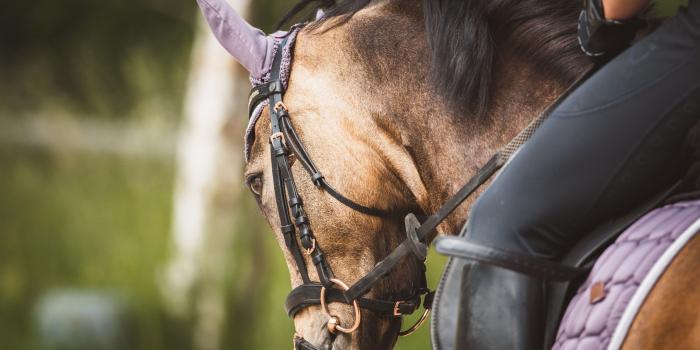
(467, 37)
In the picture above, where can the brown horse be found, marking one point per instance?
(370, 96)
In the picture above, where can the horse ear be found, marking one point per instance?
(249, 45)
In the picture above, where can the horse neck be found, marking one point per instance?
(445, 148)
(448, 149)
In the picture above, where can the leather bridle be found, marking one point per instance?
(299, 237)
(285, 144)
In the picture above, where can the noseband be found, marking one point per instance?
(285, 145)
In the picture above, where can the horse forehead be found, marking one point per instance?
(303, 80)
(326, 93)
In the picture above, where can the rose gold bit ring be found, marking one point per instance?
(333, 322)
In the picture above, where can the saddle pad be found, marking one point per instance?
(600, 314)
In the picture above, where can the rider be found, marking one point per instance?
(618, 140)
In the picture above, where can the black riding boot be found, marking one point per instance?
(500, 309)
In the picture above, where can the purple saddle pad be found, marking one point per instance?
(600, 314)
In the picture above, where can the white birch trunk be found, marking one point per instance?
(208, 172)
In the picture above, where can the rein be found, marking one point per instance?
(285, 144)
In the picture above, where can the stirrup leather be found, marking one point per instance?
(539, 268)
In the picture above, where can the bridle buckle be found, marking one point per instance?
(313, 247)
(397, 308)
(279, 135)
(280, 106)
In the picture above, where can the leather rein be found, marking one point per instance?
(285, 145)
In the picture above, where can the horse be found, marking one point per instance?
(399, 104)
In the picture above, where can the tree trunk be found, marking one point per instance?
(208, 173)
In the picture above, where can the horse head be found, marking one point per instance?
(340, 112)
(362, 104)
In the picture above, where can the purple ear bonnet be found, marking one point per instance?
(251, 47)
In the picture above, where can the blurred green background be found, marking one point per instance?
(90, 111)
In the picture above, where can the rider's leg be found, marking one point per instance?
(616, 141)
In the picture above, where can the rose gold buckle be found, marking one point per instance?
(278, 135)
(279, 106)
(397, 311)
(313, 247)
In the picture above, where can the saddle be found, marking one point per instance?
(563, 277)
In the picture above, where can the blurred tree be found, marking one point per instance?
(206, 192)
(99, 58)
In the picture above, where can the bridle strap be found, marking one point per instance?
(318, 179)
(286, 195)
(268, 91)
(286, 226)
(309, 294)
(385, 266)
(301, 344)
(284, 141)
(257, 95)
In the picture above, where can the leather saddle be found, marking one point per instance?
(445, 327)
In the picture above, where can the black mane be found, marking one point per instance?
(465, 36)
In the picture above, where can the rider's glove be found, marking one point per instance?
(599, 36)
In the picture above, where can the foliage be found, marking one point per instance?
(81, 221)
(100, 58)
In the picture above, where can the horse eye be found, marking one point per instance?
(255, 183)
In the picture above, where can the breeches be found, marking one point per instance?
(622, 137)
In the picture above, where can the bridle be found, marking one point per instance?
(285, 144)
